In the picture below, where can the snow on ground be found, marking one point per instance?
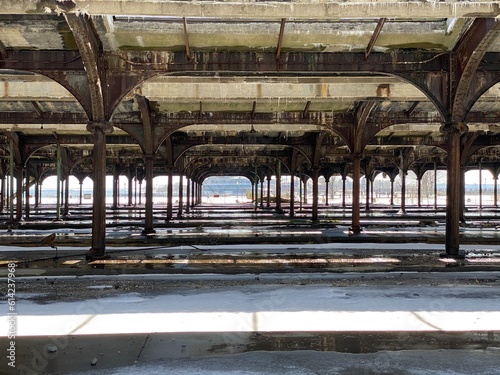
(285, 298)
(265, 308)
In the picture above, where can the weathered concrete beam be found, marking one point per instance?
(298, 9)
(356, 88)
(32, 88)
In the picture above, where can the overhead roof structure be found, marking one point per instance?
(215, 87)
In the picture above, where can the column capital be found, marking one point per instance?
(104, 126)
(454, 127)
(356, 155)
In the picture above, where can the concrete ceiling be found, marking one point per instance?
(194, 81)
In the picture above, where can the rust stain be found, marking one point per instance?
(384, 90)
(324, 90)
(6, 88)
(259, 90)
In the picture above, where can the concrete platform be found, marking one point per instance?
(229, 294)
(70, 324)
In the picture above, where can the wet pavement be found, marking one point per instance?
(232, 286)
(67, 324)
(244, 225)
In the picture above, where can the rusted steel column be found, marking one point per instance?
(268, 192)
(372, 195)
(262, 193)
(453, 191)
(495, 191)
(256, 193)
(58, 182)
(305, 189)
(148, 227)
(39, 194)
(2, 188)
(278, 186)
(315, 178)
(392, 192)
(327, 192)
(27, 192)
(11, 182)
(196, 189)
(344, 178)
(115, 187)
(135, 188)
(140, 192)
(480, 185)
(435, 186)
(188, 195)
(402, 210)
(129, 189)
(61, 205)
(99, 131)
(300, 192)
(419, 191)
(169, 193)
(181, 195)
(461, 214)
(193, 188)
(356, 175)
(19, 193)
(66, 197)
(292, 194)
(80, 200)
(2, 193)
(256, 201)
(367, 189)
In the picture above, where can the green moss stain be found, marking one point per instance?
(67, 36)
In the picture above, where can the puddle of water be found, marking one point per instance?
(68, 354)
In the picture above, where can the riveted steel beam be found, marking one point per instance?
(90, 48)
(147, 127)
(280, 39)
(186, 39)
(469, 52)
(374, 37)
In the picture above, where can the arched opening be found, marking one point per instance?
(479, 188)
(227, 190)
